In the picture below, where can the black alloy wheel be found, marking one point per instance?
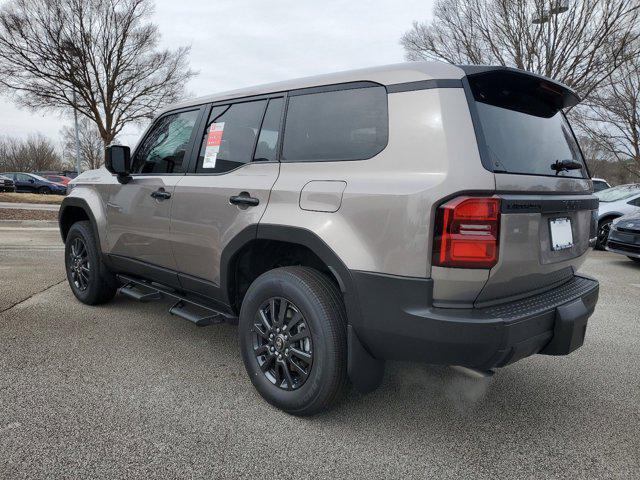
(79, 264)
(283, 343)
(603, 234)
(293, 339)
(89, 278)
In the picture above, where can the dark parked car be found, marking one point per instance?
(31, 183)
(6, 184)
(624, 236)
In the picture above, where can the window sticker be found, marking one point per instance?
(213, 145)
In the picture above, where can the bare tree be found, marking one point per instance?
(579, 42)
(91, 144)
(104, 50)
(36, 153)
(612, 117)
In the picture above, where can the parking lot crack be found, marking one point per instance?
(31, 296)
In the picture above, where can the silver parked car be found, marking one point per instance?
(614, 203)
(420, 211)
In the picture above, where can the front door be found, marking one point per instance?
(229, 189)
(25, 183)
(138, 212)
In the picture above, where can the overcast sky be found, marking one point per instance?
(238, 43)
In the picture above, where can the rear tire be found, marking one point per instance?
(635, 259)
(44, 190)
(293, 339)
(89, 279)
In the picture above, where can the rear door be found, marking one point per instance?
(228, 186)
(547, 208)
(138, 212)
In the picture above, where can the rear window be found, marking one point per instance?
(336, 125)
(621, 192)
(523, 129)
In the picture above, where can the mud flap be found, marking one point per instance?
(364, 371)
(569, 329)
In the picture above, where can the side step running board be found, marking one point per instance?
(130, 291)
(185, 307)
(207, 317)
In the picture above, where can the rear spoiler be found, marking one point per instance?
(557, 95)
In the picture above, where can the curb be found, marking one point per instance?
(34, 224)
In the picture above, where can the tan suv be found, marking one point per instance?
(419, 211)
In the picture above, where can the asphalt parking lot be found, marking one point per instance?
(125, 390)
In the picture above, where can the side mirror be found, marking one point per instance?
(118, 161)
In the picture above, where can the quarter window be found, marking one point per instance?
(347, 124)
(230, 136)
(164, 149)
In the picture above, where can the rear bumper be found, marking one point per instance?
(399, 323)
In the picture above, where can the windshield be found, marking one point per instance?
(620, 192)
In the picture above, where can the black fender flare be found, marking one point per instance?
(81, 203)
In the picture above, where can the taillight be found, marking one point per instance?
(467, 233)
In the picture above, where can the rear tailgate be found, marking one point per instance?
(547, 208)
(528, 260)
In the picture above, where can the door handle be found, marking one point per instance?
(244, 199)
(160, 194)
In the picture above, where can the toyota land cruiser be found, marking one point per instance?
(420, 211)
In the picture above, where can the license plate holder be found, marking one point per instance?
(561, 233)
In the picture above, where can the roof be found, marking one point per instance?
(384, 75)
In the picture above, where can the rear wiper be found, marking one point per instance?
(564, 165)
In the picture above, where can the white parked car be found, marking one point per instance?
(615, 202)
(599, 184)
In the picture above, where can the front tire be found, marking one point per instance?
(603, 234)
(89, 279)
(293, 339)
(635, 259)
(44, 190)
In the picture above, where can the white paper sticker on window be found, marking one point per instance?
(213, 145)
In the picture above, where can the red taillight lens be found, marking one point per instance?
(467, 233)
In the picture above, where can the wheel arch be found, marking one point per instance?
(294, 236)
(609, 215)
(72, 210)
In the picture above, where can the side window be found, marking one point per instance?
(347, 124)
(22, 177)
(230, 136)
(266, 149)
(164, 149)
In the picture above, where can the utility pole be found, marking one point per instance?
(75, 118)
